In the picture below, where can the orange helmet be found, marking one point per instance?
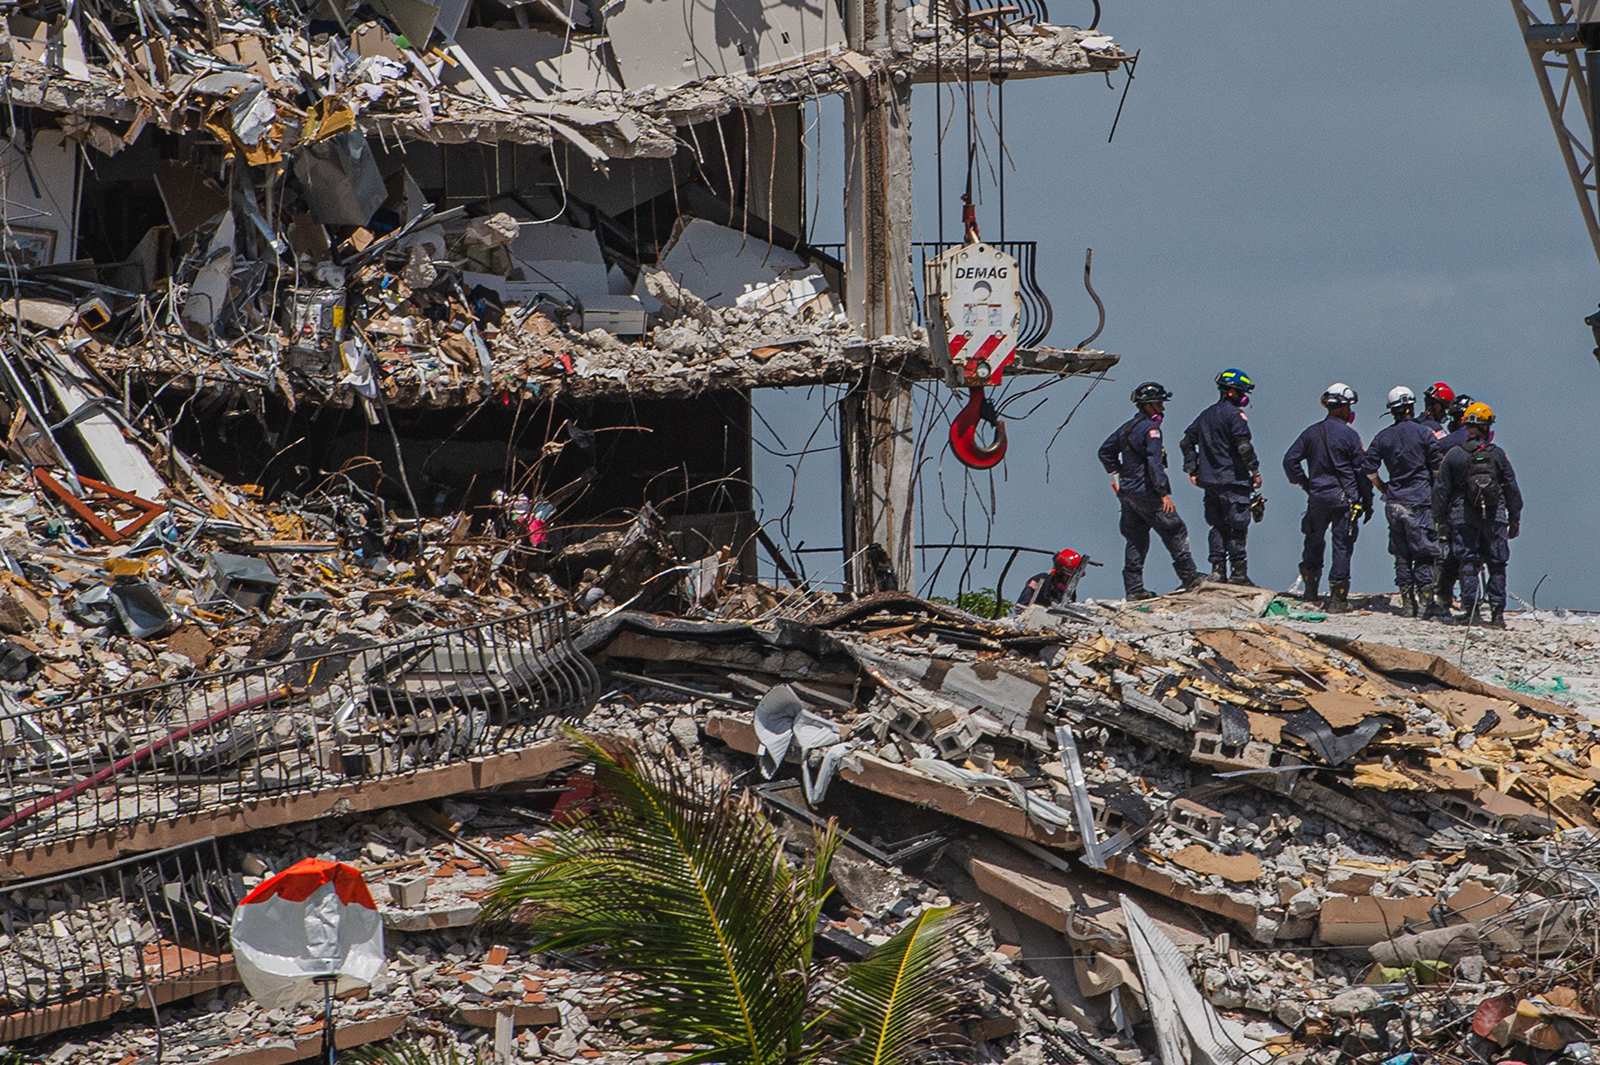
(1478, 414)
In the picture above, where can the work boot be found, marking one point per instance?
(1313, 579)
(1338, 597)
(1191, 582)
(1241, 575)
(1138, 595)
(1469, 613)
(1219, 573)
(1446, 601)
(1497, 616)
(1408, 600)
(1431, 608)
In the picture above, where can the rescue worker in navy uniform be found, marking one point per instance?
(1408, 449)
(1449, 566)
(1477, 498)
(1436, 400)
(1137, 463)
(1059, 585)
(1218, 456)
(1457, 434)
(1337, 493)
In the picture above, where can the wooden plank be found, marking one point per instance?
(478, 774)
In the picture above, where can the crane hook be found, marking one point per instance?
(964, 433)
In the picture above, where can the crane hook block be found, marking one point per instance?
(964, 433)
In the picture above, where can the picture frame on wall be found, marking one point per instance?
(27, 246)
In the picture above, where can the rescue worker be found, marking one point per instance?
(1408, 450)
(1457, 434)
(1436, 400)
(1477, 498)
(1059, 585)
(1449, 566)
(1337, 493)
(1137, 463)
(1218, 457)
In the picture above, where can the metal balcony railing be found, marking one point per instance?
(355, 711)
(140, 931)
(1037, 314)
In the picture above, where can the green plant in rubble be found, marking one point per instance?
(676, 880)
(979, 601)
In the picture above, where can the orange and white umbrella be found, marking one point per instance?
(315, 921)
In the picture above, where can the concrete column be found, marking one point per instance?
(876, 427)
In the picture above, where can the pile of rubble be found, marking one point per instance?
(1299, 840)
(1349, 837)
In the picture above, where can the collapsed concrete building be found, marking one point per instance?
(438, 239)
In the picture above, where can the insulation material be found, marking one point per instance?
(727, 268)
(535, 64)
(668, 44)
(37, 227)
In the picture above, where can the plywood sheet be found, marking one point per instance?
(1466, 711)
(1342, 710)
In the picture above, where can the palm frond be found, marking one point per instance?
(885, 1004)
(407, 1052)
(680, 883)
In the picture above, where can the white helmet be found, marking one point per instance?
(1338, 394)
(1402, 397)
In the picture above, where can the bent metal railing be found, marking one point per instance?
(142, 931)
(354, 710)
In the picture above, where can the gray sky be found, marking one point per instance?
(1357, 191)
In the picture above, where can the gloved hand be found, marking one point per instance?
(1116, 484)
(1366, 515)
(1516, 527)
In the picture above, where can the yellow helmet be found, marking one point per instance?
(1478, 414)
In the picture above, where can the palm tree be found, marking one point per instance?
(678, 882)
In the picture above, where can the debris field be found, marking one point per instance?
(1353, 848)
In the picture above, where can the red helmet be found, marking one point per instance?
(1439, 391)
(1068, 560)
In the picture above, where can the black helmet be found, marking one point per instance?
(1151, 392)
(1459, 407)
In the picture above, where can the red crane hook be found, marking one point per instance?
(964, 433)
